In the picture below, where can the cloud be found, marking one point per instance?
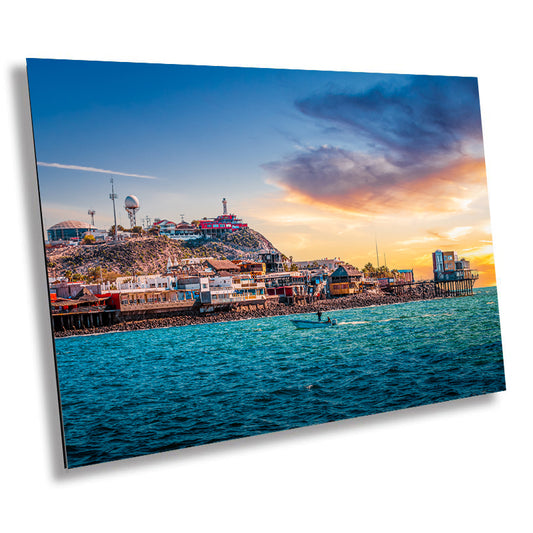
(92, 169)
(426, 117)
(418, 149)
(365, 184)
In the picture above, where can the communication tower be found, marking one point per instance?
(224, 206)
(131, 204)
(91, 213)
(113, 197)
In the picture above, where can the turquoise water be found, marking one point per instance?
(126, 394)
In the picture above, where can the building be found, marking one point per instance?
(186, 266)
(252, 267)
(82, 302)
(344, 280)
(69, 230)
(222, 265)
(225, 223)
(273, 261)
(100, 235)
(142, 301)
(404, 276)
(127, 283)
(182, 231)
(286, 286)
(215, 227)
(329, 264)
(448, 267)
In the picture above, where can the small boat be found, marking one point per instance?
(308, 324)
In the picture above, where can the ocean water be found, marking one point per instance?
(126, 394)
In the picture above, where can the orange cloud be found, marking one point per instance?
(369, 185)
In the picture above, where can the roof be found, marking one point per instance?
(350, 270)
(72, 224)
(222, 264)
(85, 295)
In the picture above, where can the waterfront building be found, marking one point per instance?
(66, 289)
(143, 301)
(344, 280)
(69, 230)
(448, 267)
(229, 289)
(404, 276)
(247, 289)
(84, 301)
(286, 286)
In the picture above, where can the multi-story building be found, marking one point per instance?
(286, 285)
(273, 261)
(220, 225)
(230, 289)
(225, 223)
(448, 267)
(253, 268)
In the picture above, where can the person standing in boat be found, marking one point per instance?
(319, 315)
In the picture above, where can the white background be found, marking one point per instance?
(461, 466)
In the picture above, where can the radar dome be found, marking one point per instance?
(131, 202)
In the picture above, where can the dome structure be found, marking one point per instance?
(68, 229)
(131, 202)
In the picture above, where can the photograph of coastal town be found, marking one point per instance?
(237, 251)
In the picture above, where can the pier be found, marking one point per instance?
(462, 287)
(83, 319)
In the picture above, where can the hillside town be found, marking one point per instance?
(260, 279)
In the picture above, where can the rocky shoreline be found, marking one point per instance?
(418, 292)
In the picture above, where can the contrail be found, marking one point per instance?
(91, 169)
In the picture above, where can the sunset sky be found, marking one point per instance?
(324, 164)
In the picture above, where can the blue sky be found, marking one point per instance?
(320, 162)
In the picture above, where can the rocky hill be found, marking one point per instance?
(149, 255)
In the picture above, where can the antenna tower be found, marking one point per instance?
(113, 196)
(224, 206)
(91, 213)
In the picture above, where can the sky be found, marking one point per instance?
(324, 164)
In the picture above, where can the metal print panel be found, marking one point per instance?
(235, 251)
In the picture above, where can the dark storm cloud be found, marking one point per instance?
(429, 116)
(410, 148)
